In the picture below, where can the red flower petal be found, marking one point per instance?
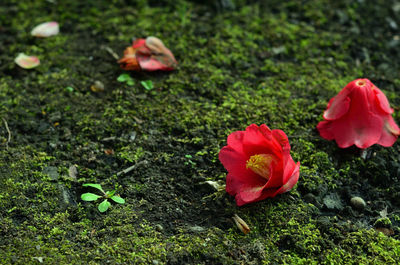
(363, 132)
(259, 164)
(324, 128)
(338, 106)
(138, 43)
(258, 140)
(281, 137)
(236, 163)
(390, 133)
(292, 180)
(360, 114)
(382, 101)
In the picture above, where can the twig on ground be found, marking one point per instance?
(129, 169)
(111, 52)
(8, 131)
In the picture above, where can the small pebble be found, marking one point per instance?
(98, 86)
(358, 203)
(52, 172)
(197, 229)
(72, 172)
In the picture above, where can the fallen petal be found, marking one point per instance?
(241, 224)
(46, 29)
(161, 53)
(129, 61)
(148, 54)
(27, 62)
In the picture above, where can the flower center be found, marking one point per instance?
(361, 83)
(260, 164)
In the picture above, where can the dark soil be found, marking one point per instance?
(240, 62)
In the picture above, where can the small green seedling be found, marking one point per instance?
(148, 84)
(103, 206)
(69, 89)
(126, 78)
(189, 161)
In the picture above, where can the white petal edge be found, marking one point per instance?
(46, 29)
(27, 62)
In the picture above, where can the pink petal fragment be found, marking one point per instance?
(46, 29)
(382, 101)
(27, 62)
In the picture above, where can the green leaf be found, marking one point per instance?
(110, 193)
(130, 82)
(96, 186)
(89, 197)
(124, 78)
(118, 199)
(148, 84)
(69, 89)
(104, 206)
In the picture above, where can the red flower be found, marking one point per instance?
(360, 114)
(148, 54)
(259, 164)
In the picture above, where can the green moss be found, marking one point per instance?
(276, 63)
(383, 222)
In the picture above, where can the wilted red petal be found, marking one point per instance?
(129, 61)
(152, 63)
(359, 115)
(160, 53)
(148, 54)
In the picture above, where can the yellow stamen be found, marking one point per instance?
(260, 164)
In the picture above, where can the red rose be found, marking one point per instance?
(259, 164)
(148, 54)
(360, 114)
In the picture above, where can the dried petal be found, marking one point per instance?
(241, 224)
(109, 151)
(148, 54)
(27, 62)
(160, 52)
(129, 61)
(46, 29)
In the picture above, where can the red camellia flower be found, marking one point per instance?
(148, 54)
(259, 164)
(360, 114)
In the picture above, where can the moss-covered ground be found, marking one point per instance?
(240, 62)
